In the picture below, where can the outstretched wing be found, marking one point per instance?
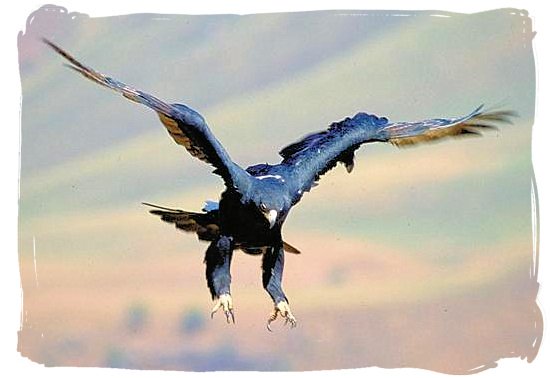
(187, 127)
(317, 153)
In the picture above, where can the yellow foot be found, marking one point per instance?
(282, 308)
(226, 303)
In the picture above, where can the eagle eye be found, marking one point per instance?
(263, 207)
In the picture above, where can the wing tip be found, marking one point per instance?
(479, 109)
(49, 42)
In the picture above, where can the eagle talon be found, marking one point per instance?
(226, 303)
(283, 309)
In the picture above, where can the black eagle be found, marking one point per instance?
(257, 200)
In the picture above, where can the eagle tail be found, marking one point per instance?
(205, 224)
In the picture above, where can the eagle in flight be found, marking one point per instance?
(257, 200)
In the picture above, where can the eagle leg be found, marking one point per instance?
(272, 274)
(218, 277)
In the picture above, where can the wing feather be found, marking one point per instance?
(186, 127)
(315, 154)
(405, 134)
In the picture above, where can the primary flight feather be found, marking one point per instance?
(257, 200)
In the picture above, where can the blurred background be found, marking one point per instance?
(423, 257)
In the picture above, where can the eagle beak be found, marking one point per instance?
(271, 217)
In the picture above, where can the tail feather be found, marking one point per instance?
(290, 249)
(205, 224)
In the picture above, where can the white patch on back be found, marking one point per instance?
(276, 177)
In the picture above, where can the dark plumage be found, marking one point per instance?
(256, 201)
